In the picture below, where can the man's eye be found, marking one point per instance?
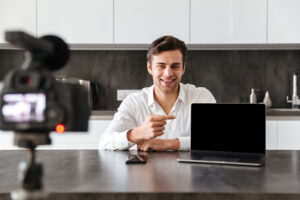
(175, 66)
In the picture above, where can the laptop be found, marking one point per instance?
(233, 134)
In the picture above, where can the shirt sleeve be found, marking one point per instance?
(115, 136)
(185, 143)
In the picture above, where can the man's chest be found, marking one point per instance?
(180, 126)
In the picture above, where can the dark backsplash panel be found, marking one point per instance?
(229, 75)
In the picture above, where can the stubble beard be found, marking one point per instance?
(167, 90)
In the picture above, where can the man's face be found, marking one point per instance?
(166, 69)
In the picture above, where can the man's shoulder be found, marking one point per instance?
(197, 94)
(192, 89)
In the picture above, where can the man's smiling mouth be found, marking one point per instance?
(168, 81)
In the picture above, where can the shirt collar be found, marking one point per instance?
(181, 95)
(151, 96)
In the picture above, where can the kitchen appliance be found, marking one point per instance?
(91, 86)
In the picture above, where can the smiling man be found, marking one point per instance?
(159, 117)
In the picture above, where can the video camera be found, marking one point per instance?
(31, 99)
(33, 103)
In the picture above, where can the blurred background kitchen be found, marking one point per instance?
(234, 45)
(229, 74)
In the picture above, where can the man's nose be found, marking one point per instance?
(168, 71)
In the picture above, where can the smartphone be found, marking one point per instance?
(137, 159)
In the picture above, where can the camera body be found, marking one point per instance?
(31, 100)
(33, 103)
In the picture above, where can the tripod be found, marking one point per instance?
(30, 173)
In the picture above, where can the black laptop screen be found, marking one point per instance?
(236, 128)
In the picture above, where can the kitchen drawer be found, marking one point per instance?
(271, 135)
(288, 135)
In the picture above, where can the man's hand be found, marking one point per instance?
(159, 144)
(152, 127)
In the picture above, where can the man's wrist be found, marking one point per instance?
(131, 136)
(174, 144)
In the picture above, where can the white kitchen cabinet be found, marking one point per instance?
(66, 140)
(17, 15)
(142, 21)
(288, 134)
(283, 21)
(80, 140)
(271, 135)
(76, 21)
(228, 21)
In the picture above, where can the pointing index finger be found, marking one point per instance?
(164, 117)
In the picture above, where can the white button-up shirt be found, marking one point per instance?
(137, 107)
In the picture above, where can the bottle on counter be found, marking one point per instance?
(253, 98)
(267, 100)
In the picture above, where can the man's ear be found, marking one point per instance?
(184, 66)
(149, 68)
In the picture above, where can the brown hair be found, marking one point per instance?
(166, 43)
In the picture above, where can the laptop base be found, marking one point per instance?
(256, 161)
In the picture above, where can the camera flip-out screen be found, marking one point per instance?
(29, 107)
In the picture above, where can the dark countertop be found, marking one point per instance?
(102, 114)
(109, 114)
(90, 174)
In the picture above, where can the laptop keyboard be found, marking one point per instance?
(226, 157)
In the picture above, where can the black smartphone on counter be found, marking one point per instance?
(137, 159)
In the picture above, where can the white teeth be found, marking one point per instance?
(168, 81)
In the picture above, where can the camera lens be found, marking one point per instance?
(25, 80)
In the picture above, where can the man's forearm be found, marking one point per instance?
(173, 144)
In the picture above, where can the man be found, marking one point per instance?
(158, 118)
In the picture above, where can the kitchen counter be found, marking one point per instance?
(92, 174)
(109, 114)
(282, 118)
(102, 114)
